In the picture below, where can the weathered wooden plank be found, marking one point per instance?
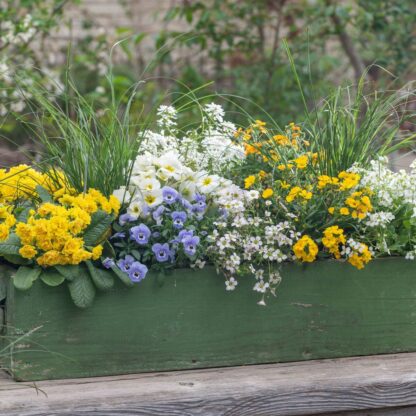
(326, 310)
(303, 388)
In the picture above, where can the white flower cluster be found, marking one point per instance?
(151, 173)
(392, 189)
(209, 146)
(17, 33)
(244, 240)
(379, 219)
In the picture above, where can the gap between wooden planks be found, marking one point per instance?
(302, 388)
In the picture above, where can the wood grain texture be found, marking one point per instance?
(304, 388)
(325, 310)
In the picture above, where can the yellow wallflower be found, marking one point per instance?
(298, 192)
(348, 180)
(267, 193)
(96, 252)
(360, 257)
(332, 239)
(360, 204)
(302, 161)
(249, 181)
(344, 211)
(305, 249)
(331, 210)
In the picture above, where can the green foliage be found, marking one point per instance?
(82, 289)
(25, 276)
(52, 277)
(10, 246)
(93, 150)
(102, 279)
(239, 44)
(95, 232)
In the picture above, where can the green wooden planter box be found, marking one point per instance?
(322, 310)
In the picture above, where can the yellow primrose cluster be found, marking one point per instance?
(306, 249)
(332, 239)
(53, 233)
(7, 221)
(20, 182)
(91, 202)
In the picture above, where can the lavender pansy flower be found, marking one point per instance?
(140, 234)
(118, 235)
(156, 234)
(108, 263)
(161, 251)
(125, 218)
(157, 214)
(200, 203)
(137, 272)
(125, 264)
(185, 233)
(190, 244)
(179, 217)
(186, 204)
(169, 194)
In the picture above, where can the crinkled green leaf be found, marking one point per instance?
(44, 195)
(122, 276)
(52, 277)
(11, 245)
(82, 290)
(103, 279)
(69, 271)
(95, 232)
(25, 276)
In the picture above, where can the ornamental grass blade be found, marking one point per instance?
(101, 278)
(82, 290)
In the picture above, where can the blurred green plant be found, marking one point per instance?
(239, 44)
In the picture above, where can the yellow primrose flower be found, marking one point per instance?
(28, 251)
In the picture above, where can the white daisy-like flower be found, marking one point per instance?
(230, 284)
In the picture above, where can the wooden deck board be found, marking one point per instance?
(303, 388)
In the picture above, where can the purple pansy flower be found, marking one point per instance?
(125, 218)
(125, 264)
(161, 251)
(190, 244)
(183, 234)
(179, 217)
(137, 272)
(118, 235)
(169, 194)
(156, 234)
(140, 234)
(186, 204)
(108, 263)
(200, 203)
(157, 214)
